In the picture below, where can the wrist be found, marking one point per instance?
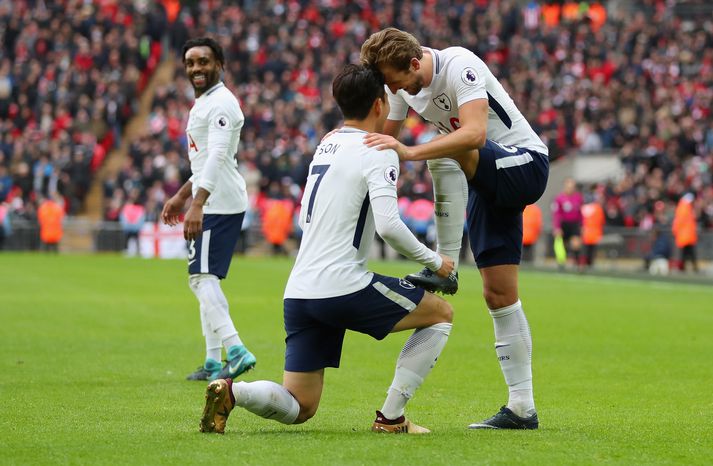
(409, 153)
(437, 262)
(414, 154)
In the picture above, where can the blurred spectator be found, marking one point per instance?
(685, 231)
(277, 224)
(132, 218)
(5, 182)
(531, 228)
(277, 218)
(657, 260)
(567, 220)
(50, 216)
(629, 78)
(419, 217)
(593, 220)
(5, 227)
(244, 238)
(70, 74)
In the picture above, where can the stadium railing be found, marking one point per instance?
(620, 248)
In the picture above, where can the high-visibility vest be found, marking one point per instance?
(531, 224)
(551, 14)
(50, 216)
(684, 224)
(277, 222)
(593, 220)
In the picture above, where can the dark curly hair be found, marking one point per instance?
(205, 42)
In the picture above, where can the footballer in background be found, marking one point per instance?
(214, 219)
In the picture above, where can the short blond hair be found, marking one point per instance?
(391, 47)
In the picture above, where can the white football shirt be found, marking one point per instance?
(459, 76)
(338, 224)
(213, 133)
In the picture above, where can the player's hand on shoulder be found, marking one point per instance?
(381, 142)
(447, 267)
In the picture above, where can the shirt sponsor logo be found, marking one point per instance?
(469, 76)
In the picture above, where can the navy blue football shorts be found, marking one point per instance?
(506, 181)
(213, 250)
(315, 327)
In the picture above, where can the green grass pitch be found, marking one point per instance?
(94, 351)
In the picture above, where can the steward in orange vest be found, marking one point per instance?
(593, 220)
(531, 228)
(685, 232)
(50, 216)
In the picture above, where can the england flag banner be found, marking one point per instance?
(162, 241)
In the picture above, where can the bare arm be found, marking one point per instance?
(193, 223)
(174, 206)
(473, 117)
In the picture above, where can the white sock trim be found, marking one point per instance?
(507, 310)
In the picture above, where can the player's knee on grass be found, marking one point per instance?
(306, 388)
(307, 412)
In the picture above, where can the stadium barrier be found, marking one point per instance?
(620, 248)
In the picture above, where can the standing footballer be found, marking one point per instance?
(488, 153)
(213, 220)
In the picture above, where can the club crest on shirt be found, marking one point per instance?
(406, 284)
(469, 76)
(391, 174)
(443, 102)
(221, 122)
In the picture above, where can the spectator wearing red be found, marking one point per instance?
(132, 218)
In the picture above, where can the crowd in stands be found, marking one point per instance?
(70, 75)
(635, 80)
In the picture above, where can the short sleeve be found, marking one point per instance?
(381, 172)
(225, 116)
(466, 74)
(398, 106)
